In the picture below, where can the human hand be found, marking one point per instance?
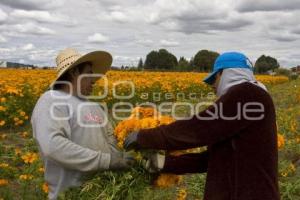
(121, 160)
(130, 142)
(154, 163)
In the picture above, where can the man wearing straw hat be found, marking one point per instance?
(73, 134)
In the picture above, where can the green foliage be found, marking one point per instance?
(195, 184)
(140, 64)
(282, 71)
(161, 59)
(204, 60)
(293, 76)
(286, 72)
(265, 63)
(183, 65)
(113, 186)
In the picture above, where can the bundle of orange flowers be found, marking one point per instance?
(143, 118)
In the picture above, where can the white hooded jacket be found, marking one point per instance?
(235, 76)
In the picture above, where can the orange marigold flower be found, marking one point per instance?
(26, 177)
(167, 180)
(3, 136)
(41, 169)
(280, 141)
(181, 195)
(4, 165)
(143, 118)
(284, 174)
(29, 157)
(2, 108)
(18, 151)
(22, 113)
(2, 123)
(24, 134)
(298, 139)
(292, 167)
(3, 182)
(45, 187)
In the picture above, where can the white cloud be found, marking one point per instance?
(186, 10)
(296, 30)
(25, 30)
(28, 47)
(39, 16)
(115, 16)
(186, 16)
(2, 39)
(283, 36)
(42, 56)
(283, 29)
(125, 60)
(169, 43)
(8, 52)
(98, 38)
(267, 5)
(145, 42)
(189, 16)
(21, 61)
(3, 16)
(31, 28)
(132, 28)
(33, 4)
(118, 16)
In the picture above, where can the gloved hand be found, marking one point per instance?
(121, 160)
(131, 141)
(154, 163)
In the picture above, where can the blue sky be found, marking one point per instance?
(34, 31)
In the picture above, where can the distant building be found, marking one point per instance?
(46, 67)
(19, 65)
(296, 69)
(271, 72)
(114, 68)
(5, 64)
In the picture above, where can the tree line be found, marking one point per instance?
(203, 61)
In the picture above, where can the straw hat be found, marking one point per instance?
(70, 58)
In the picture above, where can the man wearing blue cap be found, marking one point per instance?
(239, 130)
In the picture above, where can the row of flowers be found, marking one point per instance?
(18, 94)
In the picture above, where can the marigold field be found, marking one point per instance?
(21, 169)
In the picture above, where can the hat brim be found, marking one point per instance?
(101, 62)
(211, 78)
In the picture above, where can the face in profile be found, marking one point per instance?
(216, 82)
(86, 83)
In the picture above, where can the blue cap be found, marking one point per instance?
(228, 60)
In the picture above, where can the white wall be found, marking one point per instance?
(3, 64)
